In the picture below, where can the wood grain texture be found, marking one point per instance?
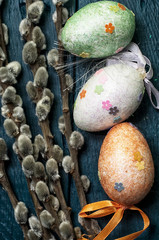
(145, 118)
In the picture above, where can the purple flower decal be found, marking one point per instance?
(113, 111)
(119, 187)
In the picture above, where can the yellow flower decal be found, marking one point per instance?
(137, 156)
(140, 165)
(114, 8)
(84, 55)
(99, 176)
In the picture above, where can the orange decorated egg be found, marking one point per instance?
(126, 169)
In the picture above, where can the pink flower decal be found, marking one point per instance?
(99, 72)
(119, 50)
(106, 105)
(102, 78)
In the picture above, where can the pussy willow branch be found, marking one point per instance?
(7, 187)
(68, 127)
(4, 179)
(45, 127)
(38, 207)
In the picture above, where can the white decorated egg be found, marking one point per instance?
(110, 96)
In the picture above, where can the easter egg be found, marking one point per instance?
(99, 29)
(110, 96)
(126, 169)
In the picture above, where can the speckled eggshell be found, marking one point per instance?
(99, 29)
(126, 169)
(110, 96)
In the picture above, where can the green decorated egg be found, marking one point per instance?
(99, 30)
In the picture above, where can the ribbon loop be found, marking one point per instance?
(105, 208)
(152, 90)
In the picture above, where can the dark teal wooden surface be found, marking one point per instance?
(145, 118)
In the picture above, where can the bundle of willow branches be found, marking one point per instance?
(41, 158)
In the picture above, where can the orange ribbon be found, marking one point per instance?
(104, 208)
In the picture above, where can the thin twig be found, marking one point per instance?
(68, 128)
(7, 187)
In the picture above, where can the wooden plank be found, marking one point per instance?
(145, 118)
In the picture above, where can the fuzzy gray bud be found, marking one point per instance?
(40, 143)
(25, 145)
(54, 17)
(42, 191)
(52, 169)
(14, 67)
(78, 232)
(31, 235)
(34, 224)
(25, 27)
(5, 111)
(51, 185)
(64, 16)
(21, 213)
(85, 182)
(57, 1)
(76, 140)
(15, 147)
(28, 166)
(53, 57)
(39, 38)
(68, 164)
(41, 77)
(35, 11)
(1, 2)
(18, 101)
(55, 202)
(25, 129)
(62, 216)
(47, 92)
(18, 114)
(31, 90)
(65, 230)
(43, 108)
(46, 219)
(3, 150)
(9, 95)
(2, 55)
(41, 61)
(57, 153)
(30, 53)
(69, 82)
(61, 124)
(6, 76)
(1, 90)
(5, 33)
(39, 170)
(10, 128)
(35, 152)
